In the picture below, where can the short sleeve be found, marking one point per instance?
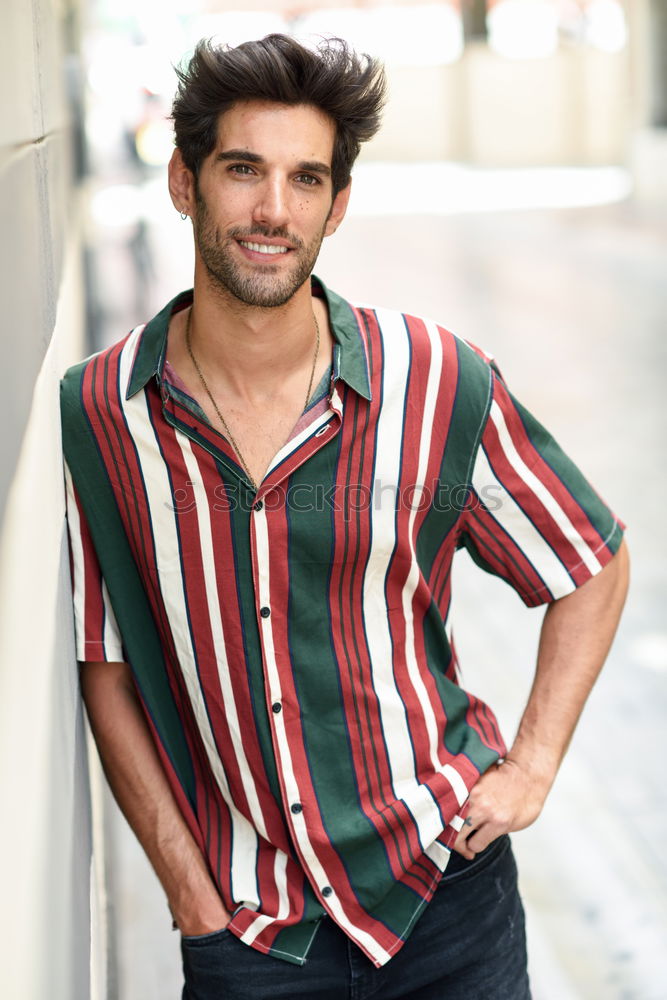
(97, 636)
(533, 519)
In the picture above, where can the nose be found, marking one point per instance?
(271, 208)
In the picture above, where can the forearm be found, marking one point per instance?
(576, 635)
(140, 786)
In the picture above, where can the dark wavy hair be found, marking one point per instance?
(348, 87)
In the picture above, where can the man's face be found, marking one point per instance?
(264, 200)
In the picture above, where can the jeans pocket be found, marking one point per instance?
(200, 940)
(495, 849)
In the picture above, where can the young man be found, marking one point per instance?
(266, 490)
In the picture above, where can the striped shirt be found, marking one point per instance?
(292, 647)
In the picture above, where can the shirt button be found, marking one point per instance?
(327, 890)
(276, 707)
(296, 807)
(265, 612)
(258, 505)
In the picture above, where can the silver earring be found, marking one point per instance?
(184, 216)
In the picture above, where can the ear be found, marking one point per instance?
(338, 209)
(181, 184)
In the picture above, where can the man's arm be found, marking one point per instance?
(577, 632)
(140, 786)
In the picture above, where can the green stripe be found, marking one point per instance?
(149, 358)
(128, 597)
(573, 480)
(323, 718)
(353, 368)
(293, 942)
(459, 736)
(469, 412)
(352, 834)
(240, 514)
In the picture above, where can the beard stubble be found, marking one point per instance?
(260, 285)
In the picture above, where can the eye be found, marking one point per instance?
(241, 168)
(308, 179)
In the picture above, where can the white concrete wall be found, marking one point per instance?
(45, 838)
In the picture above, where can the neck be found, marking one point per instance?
(251, 349)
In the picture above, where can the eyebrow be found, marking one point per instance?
(312, 166)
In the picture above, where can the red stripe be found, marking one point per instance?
(91, 583)
(505, 557)
(105, 411)
(522, 492)
(232, 625)
(325, 852)
(352, 540)
(127, 480)
(200, 631)
(211, 798)
(116, 446)
(417, 386)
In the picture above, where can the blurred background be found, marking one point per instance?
(517, 194)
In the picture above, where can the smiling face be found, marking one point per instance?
(264, 200)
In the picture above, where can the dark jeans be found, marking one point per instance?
(469, 944)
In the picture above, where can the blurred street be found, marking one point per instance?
(572, 304)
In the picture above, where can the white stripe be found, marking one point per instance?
(160, 503)
(439, 854)
(299, 439)
(78, 572)
(284, 757)
(456, 781)
(336, 400)
(405, 783)
(262, 921)
(113, 645)
(540, 490)
(436, 743)
(202, 510)
(522, 530)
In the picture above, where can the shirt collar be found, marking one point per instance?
(350, 362)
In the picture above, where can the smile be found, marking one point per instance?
(268, 248)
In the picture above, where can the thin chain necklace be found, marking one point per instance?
(217, 408)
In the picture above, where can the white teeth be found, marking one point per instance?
(263, 247)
